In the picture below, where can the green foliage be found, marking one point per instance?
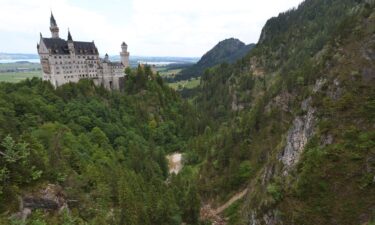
(233, 213)
(248, 107)
(275, 191)
(106, 149)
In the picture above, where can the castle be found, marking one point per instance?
(65, 61)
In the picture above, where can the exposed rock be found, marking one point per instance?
(268, 174)
(319, 84)
(306, 104)
(336, 82)
(253, 220)
(298, 136)
(39, 203)
(271, 218)
(281, 101)
(51, 198)
(327, 139)
(255, 67)
(174, 163)
(207, 213)
(236, 106)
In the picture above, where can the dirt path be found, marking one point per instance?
(174, 162)
(237, 196)
(207, 213)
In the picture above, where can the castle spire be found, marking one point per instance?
(69, 36)
(52, 20)
(53, 27)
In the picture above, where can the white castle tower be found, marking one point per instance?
(124, 55)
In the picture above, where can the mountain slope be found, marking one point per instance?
(228, 51)
(292, 121)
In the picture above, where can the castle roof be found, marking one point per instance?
(115, 63)
(59, 46)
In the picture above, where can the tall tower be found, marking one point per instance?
(124, 55)
(53, 27)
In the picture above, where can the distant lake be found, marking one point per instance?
(38, 61)
(19, 60)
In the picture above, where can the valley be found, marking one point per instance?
(273, 133)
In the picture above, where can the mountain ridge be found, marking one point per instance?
(226, 51)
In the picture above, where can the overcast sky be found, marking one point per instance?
(149, 27)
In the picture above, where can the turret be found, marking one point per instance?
(124, 55)
(106, 58)
(124, 47)
(53, 27)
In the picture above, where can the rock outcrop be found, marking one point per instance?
(51, 198)
(298, 136)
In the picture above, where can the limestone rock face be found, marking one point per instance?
(269, 218)
(51, 198)
(298, 136)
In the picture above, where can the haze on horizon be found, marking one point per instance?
(150, 28)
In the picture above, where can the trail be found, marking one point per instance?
(207, 213)
(174, 162)
(237, 196)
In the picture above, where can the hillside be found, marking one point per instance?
(226, 51)
(293, 121)
(83, 155)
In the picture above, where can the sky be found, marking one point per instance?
(186, 28)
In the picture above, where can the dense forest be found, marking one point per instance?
(289, 127)
(292, 122)
(105, 150)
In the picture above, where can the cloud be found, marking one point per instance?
(162, 27)
(28, 18)
(194, 26)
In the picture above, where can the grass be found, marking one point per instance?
(188, 84)
(6, 67)
(14, 77)
(165, 72)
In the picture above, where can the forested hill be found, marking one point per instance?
(292, 122)
(287, 131)
(90, 156)
(228, 50)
